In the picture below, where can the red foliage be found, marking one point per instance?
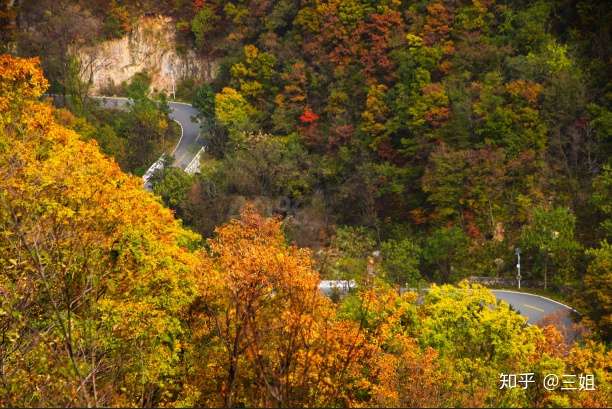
(339, 45)
(437, 116)
(433, 88)
(376, 42)
(528, 90)
(418, 216)
(198, 4)
(385, 150)
(445, 66)
(472, 229)
(311, 135)
(581, 123)
(308, 116)
(438, 23)
(310, 132)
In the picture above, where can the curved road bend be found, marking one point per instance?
(531, 306)
(189, 144)
(536, 307)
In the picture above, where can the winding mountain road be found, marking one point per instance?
(189, 145)
(533, 307)
(187, 152)
(536, 307)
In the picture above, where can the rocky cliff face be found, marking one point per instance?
(151, 48)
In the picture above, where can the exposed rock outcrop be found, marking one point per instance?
(150, 47)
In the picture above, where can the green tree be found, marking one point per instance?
(400, 261)
(446, 250)
(268, 166)
(138, 87)
(202, 25)
(602, 198)
(255, 76)
(347, 257)
(551, 235)
(145, 126)
(597, 294)
(204, 101)
(507, 121)
(172, 186)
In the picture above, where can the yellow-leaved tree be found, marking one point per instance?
(95, 274)
(106, 300)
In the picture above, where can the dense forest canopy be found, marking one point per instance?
(423, 140)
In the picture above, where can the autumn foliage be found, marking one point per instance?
(451, 125)
(278, 340)
(308, 116)
(95, 273)
(107, 300)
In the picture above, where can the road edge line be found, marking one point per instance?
(178, 122)
(182, 103)
(535, 295)
(180, 139)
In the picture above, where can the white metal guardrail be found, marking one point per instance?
(192, 167)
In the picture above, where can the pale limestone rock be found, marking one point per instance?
(149, 47)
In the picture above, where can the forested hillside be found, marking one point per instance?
(108, 301)
(395, 143)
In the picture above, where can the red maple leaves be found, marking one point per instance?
(308, 116)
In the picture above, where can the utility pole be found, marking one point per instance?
(518, 266)
(173, 86)
(173, 81)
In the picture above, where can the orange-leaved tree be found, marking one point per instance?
(268, 336)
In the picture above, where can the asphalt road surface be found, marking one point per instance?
(535, 307)
(189, 144)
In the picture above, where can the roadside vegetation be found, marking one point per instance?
(399, 144)
(136, 135)
(108, 301)
(442, 135)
